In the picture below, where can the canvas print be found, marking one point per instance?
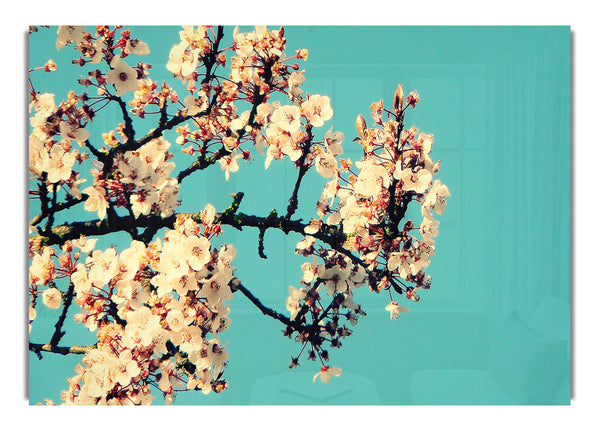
(299, 215)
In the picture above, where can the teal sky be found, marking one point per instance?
(497, 100)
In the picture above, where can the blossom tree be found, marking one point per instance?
(158, 306)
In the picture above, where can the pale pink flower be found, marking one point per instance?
(372, 178)
(326, 373)
(287, 118)
(123, 77)
(436, 197)
(429, 226)
(227, 253)
(37, 154)
(216, 288)
(67, 34)
(175, 320)
(52, 298)
(60, 164)
(42, 268)
(395, 309)
(208, 214)
(72, 185)
(143, 200)
(198, 251)
(310, 270)
(317, 110)
(81, 281)
(96, 57)
(295, 80)
(336, 278)
(326, 165)
(306, 245)
(127, 368)
(137, 47)
(417, 181)
(292, 303)
(96, 200)
(314, 226)
(176, 57)
(229, 164)
(104, 266)
(334, 218)
(424, 142)
(334, 142)
(73, 132)
(96, 381)
(43, 104)
(217, 355)
(85, 244)
(195, 105)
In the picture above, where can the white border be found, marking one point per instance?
(580, 15)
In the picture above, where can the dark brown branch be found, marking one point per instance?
(210, 59)
(236, 285)
(395, 212)
(38, 348)
(57, 208)
(67, 300)
(293, 201)
(331, 235)
(50, 210)
(102, 156)
(128, 130)
(70, 231)
(202, 163)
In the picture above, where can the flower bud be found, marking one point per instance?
(398, 98)
(361, 126)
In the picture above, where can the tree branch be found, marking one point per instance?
(293, 201)
(57, 208)
(58, 332)
(38, 348)
(236, 285)
(129, 131)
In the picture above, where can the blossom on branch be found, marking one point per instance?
(159, 305)
(123, 77)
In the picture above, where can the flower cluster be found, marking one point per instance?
(140, 181)
(367, 199)
(365, 202)
(103, 44)
(158, 311)
(315, 323)
(258, 69)
(147, 94)
(158, 307)
(254, 50)
(187, 55)
(55, 128)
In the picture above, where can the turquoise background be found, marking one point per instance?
(495, 326)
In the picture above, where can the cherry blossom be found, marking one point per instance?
(317, 110)
(52, 298)
(292, 302)
(96, 200)
(395, 309)
(73, 132)
(159, 306)
(69, 33)
(123, 77)
(326, 372)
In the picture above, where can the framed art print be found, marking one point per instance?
(299, 215)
